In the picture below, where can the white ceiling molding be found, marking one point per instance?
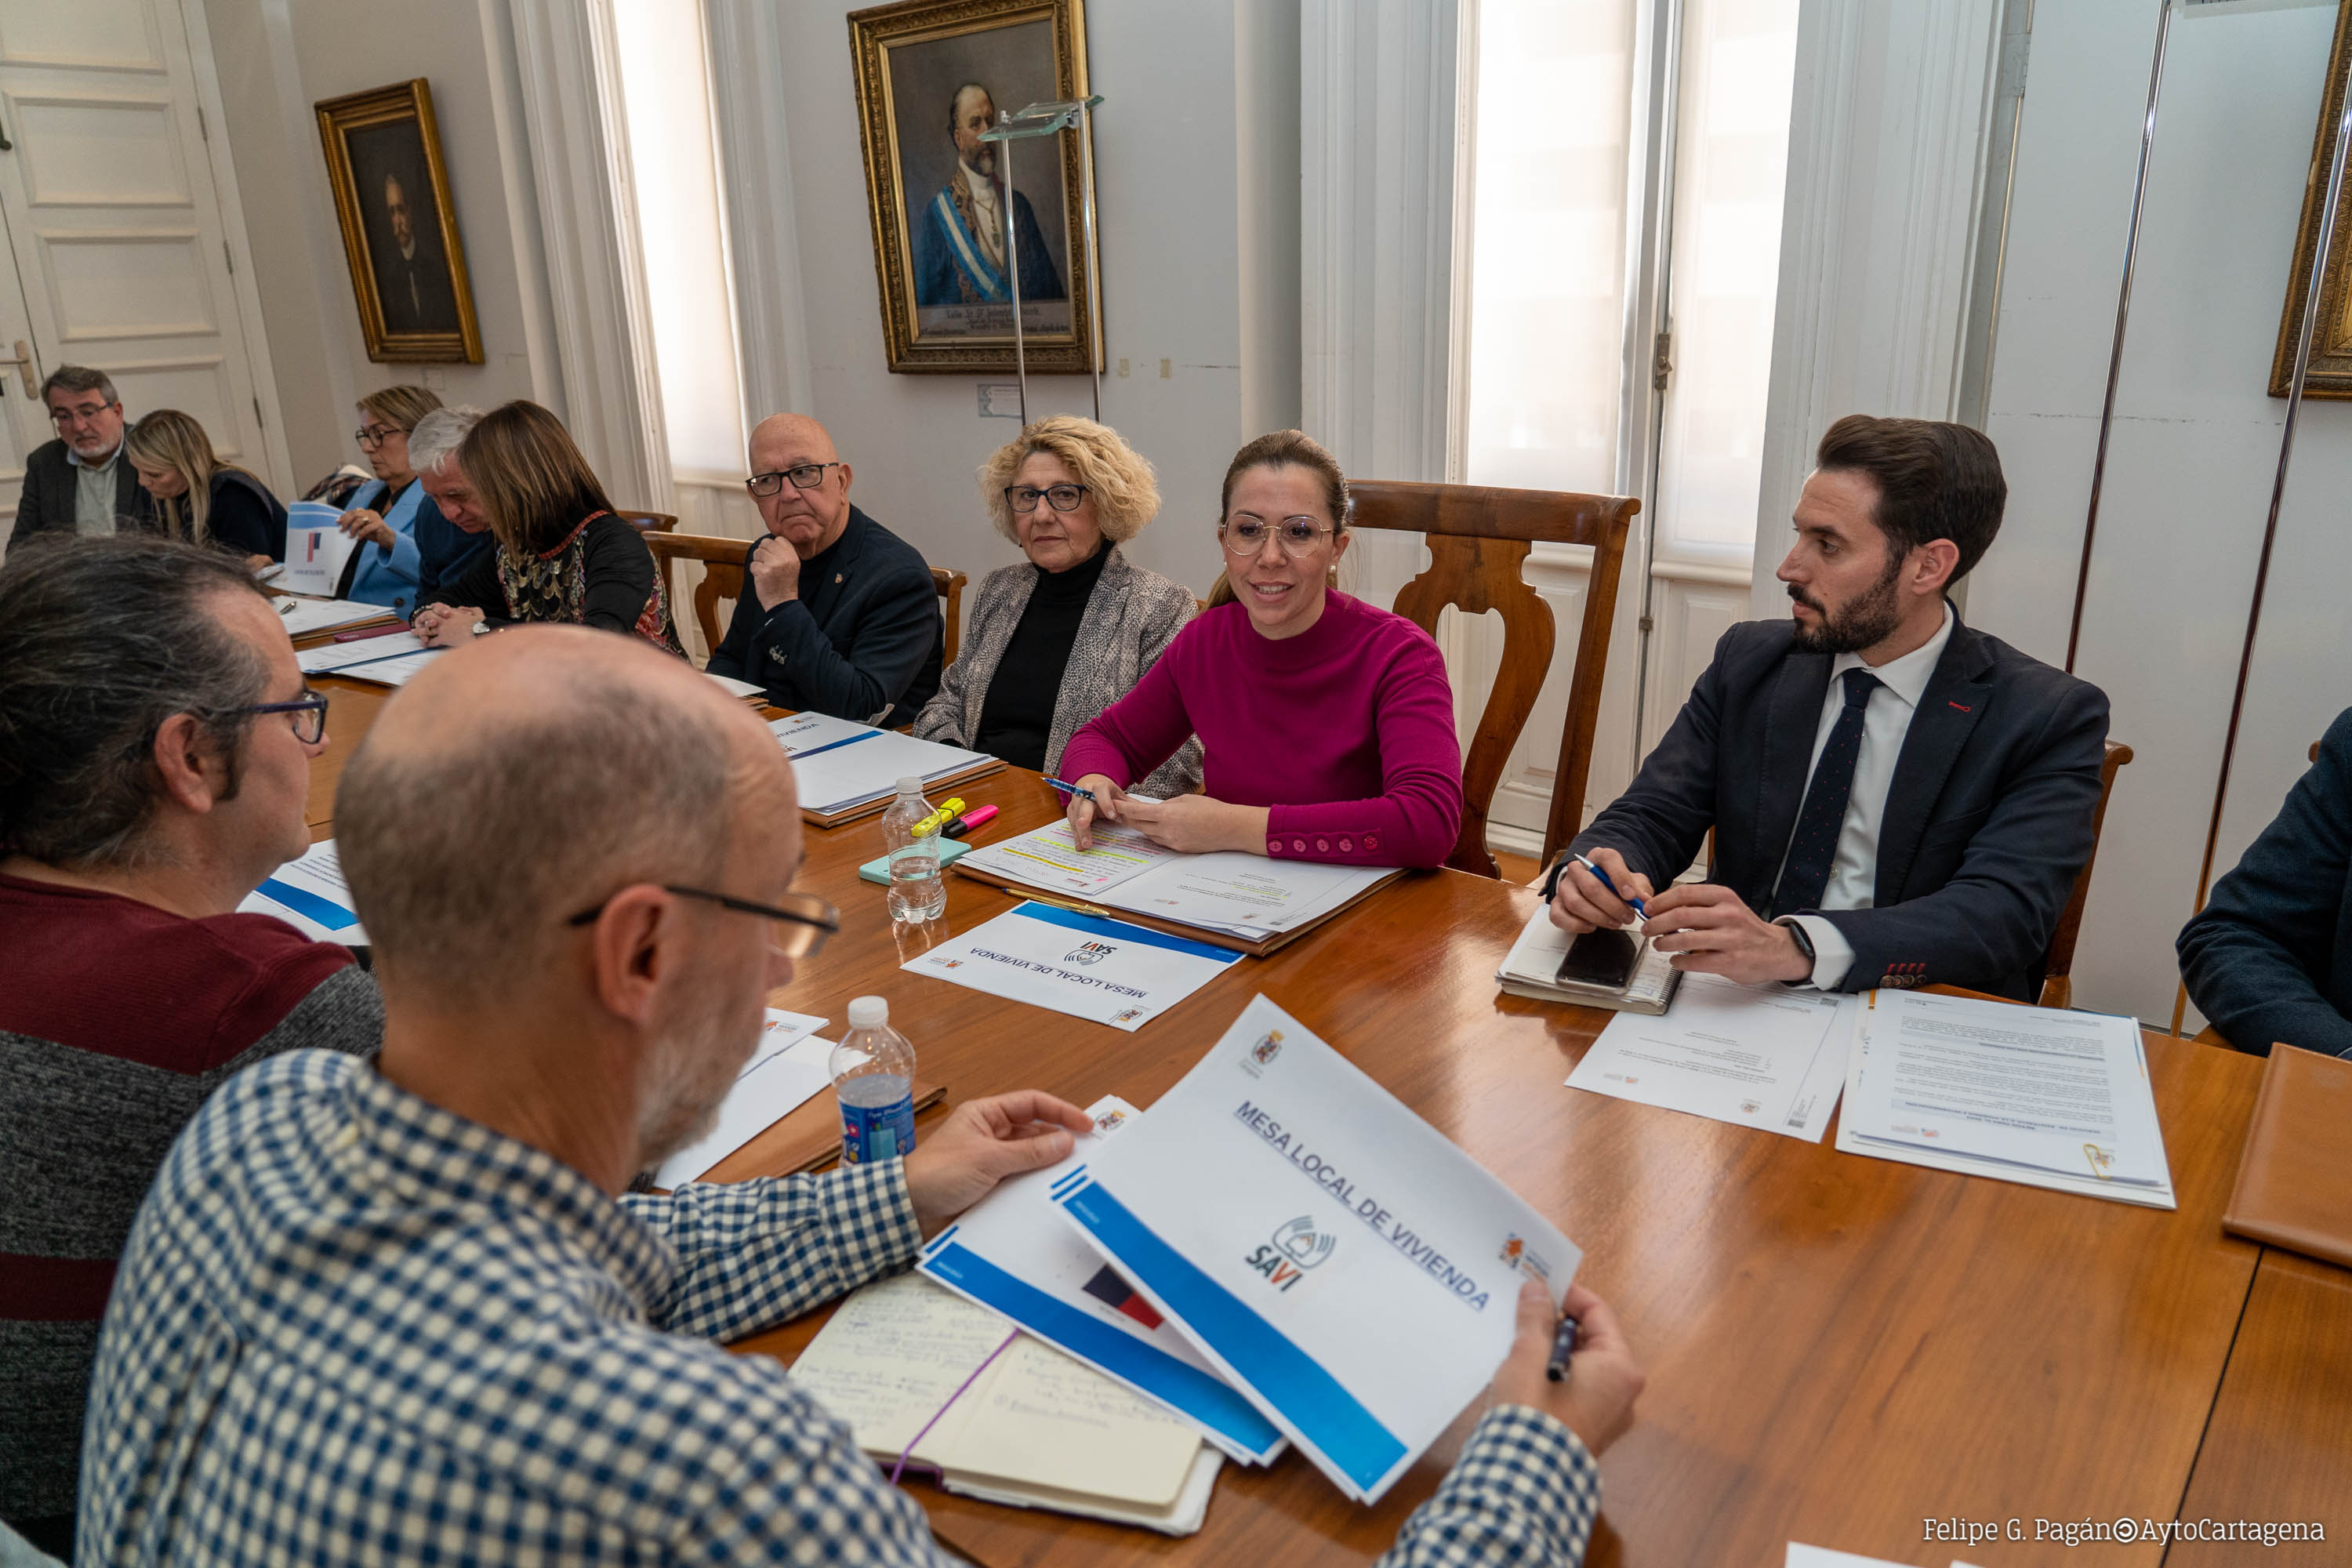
(596, 274)
(755, 172)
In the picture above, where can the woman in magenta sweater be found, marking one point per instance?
(1327, 724)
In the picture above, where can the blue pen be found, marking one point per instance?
(1563, 1345)
(1638, 907)
(1071, 789)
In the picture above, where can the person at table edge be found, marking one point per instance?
(199, 497)
(1049, 644)
(2268, 960)
(562, 554)
(388, 511)
(1898, 798)
(81, 482)
(839, 616)
(516, 1345)
(453, 529)
(154, 768)
(1327, 722)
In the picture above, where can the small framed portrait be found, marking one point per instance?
(950, 233)
(399, 228)
(2330, 373)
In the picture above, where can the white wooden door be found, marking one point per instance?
(114, 221)
(24, 422)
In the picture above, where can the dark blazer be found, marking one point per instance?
(244, 518)
(1986, 821)
(863, 641)
(46, 501)
(2269, 959)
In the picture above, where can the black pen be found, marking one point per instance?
(1563, 1345)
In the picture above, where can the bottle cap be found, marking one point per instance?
(869, 1012)
(910, 784)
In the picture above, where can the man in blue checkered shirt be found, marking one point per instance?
(395, 1310)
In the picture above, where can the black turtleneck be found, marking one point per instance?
(1016, 719)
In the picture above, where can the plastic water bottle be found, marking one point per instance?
(874, 1077)
(916, 891)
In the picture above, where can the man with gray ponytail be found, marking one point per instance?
(454, 528)
(156, 746)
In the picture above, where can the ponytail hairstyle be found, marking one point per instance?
(1278, 449)
(167, 438)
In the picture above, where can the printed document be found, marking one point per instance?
(308, 617)
(787, 1070)
(1803, 1556)
(310, 895)
(316, 550)
(2037, 1095)
(1109, 970)
(1760, 1055)
(1332, 1255)
(1013, 1253)
(1251, 896)
(802, 732)
(393, 660)
(839, 772)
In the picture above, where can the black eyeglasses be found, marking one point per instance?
(1061, 497)
(310, 726)
(806, 476)
(1246, 536)
(375, 436)
(806, 921)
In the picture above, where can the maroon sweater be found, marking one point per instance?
(115, 1020)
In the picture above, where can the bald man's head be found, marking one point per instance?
(808, 519)
(530, 776)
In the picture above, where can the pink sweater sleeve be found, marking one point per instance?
(1413, 822)
(1137, 733)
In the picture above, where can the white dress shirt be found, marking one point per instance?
(1853, 871)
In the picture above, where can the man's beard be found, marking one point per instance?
(984, 160)
(687, 1078)
(1870, 618)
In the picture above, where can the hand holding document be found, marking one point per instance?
(2037, 1095)
(317, 551)
(309, 894)
(1759, 1056)
(1113, 972)
(1305, 1230)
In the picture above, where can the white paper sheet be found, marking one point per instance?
(1803, 1556)
(316, 550)
(308, 617)
(1757, 1056)
(735, 688)
(777, 1082)
(1107, 970)
(1302, 1228)
(1049, 858)
(799, 732)
(836, 775)
(392, 660)
(309, 894)
(2036, 1095)
(1013, 1253)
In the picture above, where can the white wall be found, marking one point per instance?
(2195, 444)
(1183, 84)
(275, 58)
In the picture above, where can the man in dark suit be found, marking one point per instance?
(1896, 799)
(2269, 959)
(412, 280)
(81, 482)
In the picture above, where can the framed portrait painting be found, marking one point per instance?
(399, 228)
(948, 232)
(2330, 373)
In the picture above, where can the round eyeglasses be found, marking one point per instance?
(800, 923)
(1061, 497)
(1246, 536)
(805, 476)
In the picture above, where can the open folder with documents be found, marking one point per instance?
(845, 770)
(393, 660)
(1252, 902)
(920, 1373)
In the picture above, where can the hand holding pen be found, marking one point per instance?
(1599, 892)
(1594, 1398)
(1093, 795)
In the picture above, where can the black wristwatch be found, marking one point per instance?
(1804, 943)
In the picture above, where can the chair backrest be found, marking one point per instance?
(1478, 539)
(2058, 965)
(949, 585)
(722, 575)
(647, 521)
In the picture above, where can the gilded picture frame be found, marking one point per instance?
(399, 228)
(2330, 372)
(930, 74)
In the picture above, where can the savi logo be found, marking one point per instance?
(1088, 952)
(1296, 1248)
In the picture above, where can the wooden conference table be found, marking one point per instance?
(1839, 1348)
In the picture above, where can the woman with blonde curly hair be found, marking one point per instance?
(1049, 645)
(198, 497)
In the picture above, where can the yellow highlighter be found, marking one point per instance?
(939, 818)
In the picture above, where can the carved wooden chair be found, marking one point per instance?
(723, 578)
(648, 521)
(1478, 539)
(2058, 967)
(949, 585)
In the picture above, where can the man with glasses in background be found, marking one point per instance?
(839, 614)
(80, 483)
(156, 746)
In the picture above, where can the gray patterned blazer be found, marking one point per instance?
(1131, 619)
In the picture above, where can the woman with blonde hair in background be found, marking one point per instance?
(562, 554)
(384, 512)
(1050, 644)
(1329, 722)
(198, 497)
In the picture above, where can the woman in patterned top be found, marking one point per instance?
(562, 555)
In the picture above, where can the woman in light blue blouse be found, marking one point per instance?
(383, 511)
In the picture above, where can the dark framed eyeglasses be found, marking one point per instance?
(1061, 497)
(1246, 535)
(806, 476)
(309, 710)
(802, 922)
(374, 435)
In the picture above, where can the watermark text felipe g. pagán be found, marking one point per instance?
(2126, 1529)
